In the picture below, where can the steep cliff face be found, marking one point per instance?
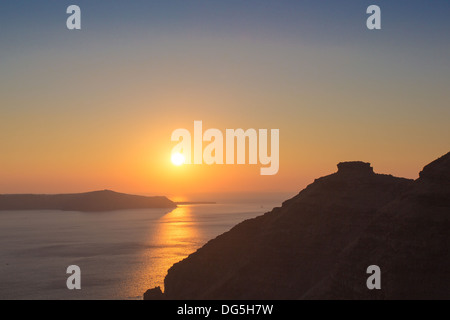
(319, 244)
(409, 240)
(288, 251)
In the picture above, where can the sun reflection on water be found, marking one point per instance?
(175, 237)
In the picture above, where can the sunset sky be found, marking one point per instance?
(95, 108)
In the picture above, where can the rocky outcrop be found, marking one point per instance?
(154, 294)
(105, 200)
(288, 251)
(353, 168)
(319, 244)
(409, 240)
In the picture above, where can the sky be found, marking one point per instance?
(95, 108)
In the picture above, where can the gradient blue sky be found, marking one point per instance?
(95, 108)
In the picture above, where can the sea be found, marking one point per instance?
(121, 253)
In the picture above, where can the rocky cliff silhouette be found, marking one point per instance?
(104, 200)
(409, 240)
(319, 244)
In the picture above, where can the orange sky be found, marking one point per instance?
(96, 109)
(121, 141)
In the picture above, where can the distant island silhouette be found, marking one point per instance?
(319, 244)
(105, 200)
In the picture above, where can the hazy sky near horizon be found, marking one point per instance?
(95, 108)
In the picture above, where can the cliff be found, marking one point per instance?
(285, 253)
(105, 200)
(409, 240)
(319, 244)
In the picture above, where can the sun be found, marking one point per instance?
(178, 159)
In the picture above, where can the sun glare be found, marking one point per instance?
(177, 159)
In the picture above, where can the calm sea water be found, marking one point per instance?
(121, 253)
